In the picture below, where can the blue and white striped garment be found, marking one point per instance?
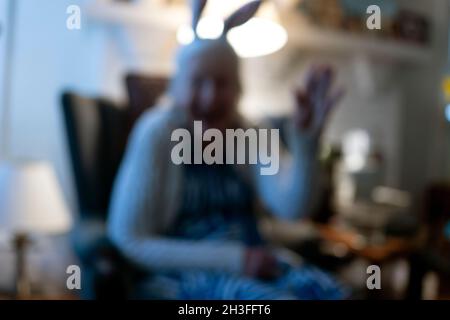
(218, 205)
(301, 283)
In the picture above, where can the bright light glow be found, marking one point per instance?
(355, 162)
(447, 112)
(185, 35)
(210, 28)
(356, 148)
(258, 37)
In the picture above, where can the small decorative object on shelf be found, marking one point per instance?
(347, 15)
(410, 26)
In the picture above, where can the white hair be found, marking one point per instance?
(218, 50)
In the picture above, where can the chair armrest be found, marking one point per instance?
(88, 237)
(106, 273)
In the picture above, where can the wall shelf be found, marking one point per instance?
(307, 37)
(340, 42)
(136, 14)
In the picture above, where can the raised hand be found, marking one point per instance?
(316, 100)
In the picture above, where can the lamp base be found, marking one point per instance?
(22, 283)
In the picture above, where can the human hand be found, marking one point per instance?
(316, 101)
(260, 263)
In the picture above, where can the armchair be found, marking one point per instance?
(97, 132)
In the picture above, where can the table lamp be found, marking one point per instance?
(30, 203)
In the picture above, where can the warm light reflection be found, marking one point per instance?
(210, 28)
(261, 35)
(185, 34)
(258, 37)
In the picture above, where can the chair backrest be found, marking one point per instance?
(97, 131)
(143, 91)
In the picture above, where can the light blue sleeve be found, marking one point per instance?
(289, 193)
(137, 207)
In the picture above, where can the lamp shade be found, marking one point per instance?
(31, 199)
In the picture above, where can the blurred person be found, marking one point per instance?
(194, 226)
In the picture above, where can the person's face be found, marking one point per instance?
(210, 89)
